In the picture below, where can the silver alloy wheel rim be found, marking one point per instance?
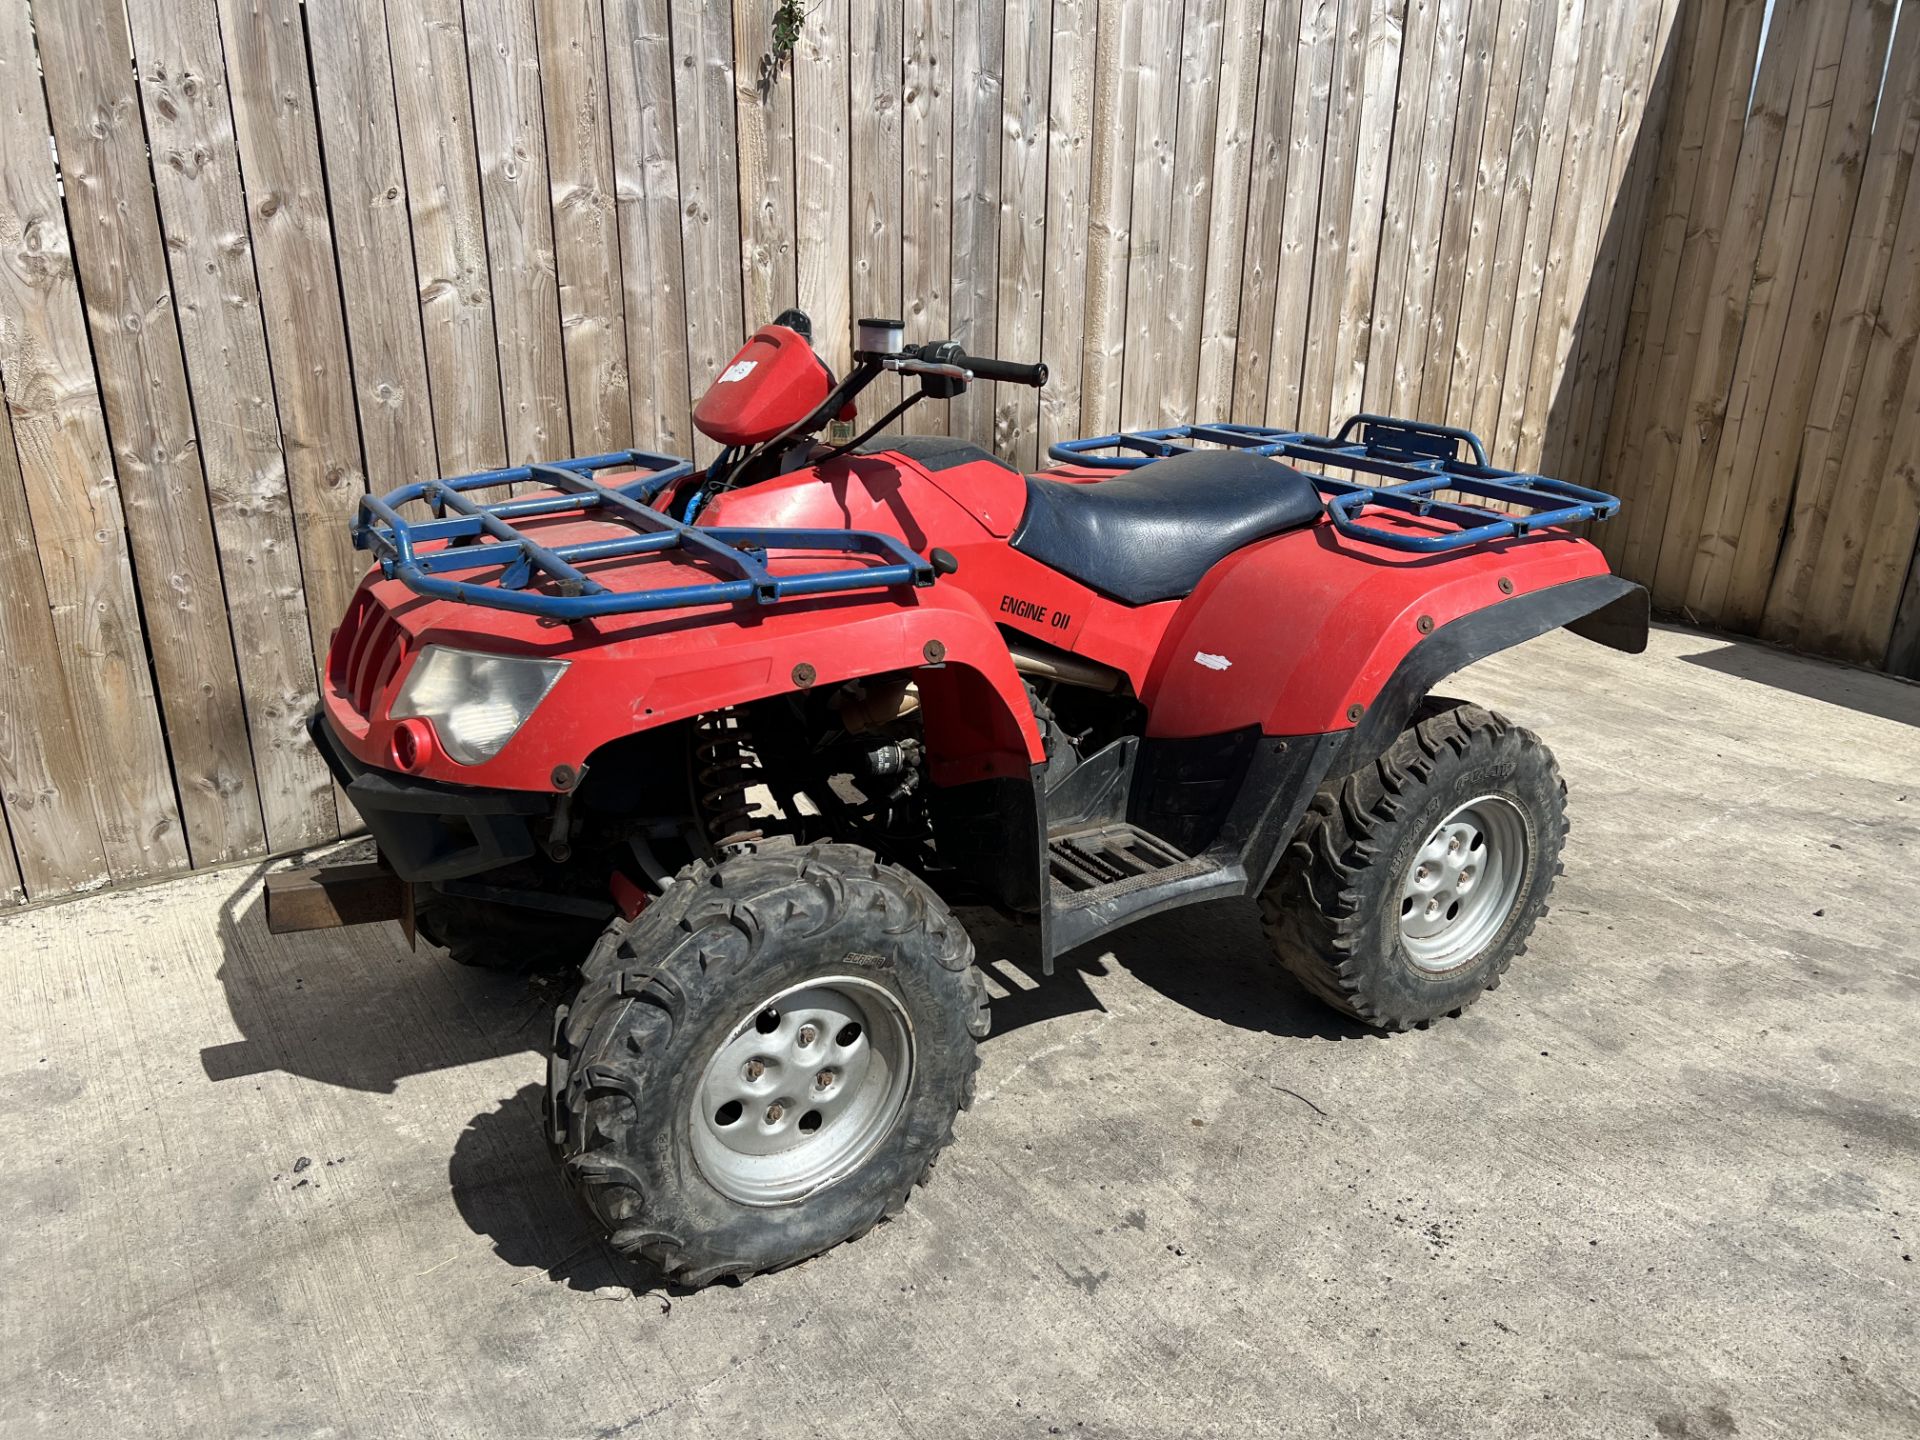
(1462, 883)
(802, 1090)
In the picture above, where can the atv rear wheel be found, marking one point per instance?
(766, 1061)
(1414, 883)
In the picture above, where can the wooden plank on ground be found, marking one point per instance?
(1070, 103)
(1326, 29)
(72, 493)
(979, 39)
(203, 219)
(507, 64)
(1353, 322)
(763, 104)
(43, 769)
(926, 201)
(1024, 96)
(1109, 217)
(449, 232)
(269, 85)
(586, 226)
(1271, 166)
(86, 60)
(1156, 111)
(874, 61)
(1832, 106)
(820, 104)
(646, 172)
(373, 238)
(1416, 203)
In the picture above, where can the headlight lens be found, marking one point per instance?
(476, 702)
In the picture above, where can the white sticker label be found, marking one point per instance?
(1212, 662)
(739, 370)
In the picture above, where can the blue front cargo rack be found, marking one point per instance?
(483, 536)
(1421, 460)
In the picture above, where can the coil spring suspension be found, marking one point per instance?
(725, 763)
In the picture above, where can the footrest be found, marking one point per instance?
(1104, 861)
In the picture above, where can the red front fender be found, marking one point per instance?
(638, 674)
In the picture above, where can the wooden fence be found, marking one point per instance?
(257, 255)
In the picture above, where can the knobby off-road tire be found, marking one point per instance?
(1459, 785)
(668, 1002)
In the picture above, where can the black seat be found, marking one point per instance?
(1152, 533)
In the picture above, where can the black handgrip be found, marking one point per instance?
(1010, 372)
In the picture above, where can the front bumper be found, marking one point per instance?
(429, 830)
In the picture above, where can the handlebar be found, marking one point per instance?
(1008, 372)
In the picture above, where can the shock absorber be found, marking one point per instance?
(725, 763)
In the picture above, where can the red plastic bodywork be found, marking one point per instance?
(1290, 634)
(774, 381)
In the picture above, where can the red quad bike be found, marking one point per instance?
(740, 737)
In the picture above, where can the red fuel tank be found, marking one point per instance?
(774, 381)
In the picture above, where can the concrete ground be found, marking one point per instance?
(1664, 1182)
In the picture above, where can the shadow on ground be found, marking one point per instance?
(1867, 691)
(357, 1009)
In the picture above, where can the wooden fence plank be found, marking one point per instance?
(43, 769)
(709, 192)
(646, 171)
(366, 183)
(1227, 240)
(1416, 204)
(1156, 111)
(1661, 421)
(821, 100)
(1109, 217)
(1070, 102)
(1316, 321)
(1485, 353)
(586, 227)
(293, 255)
(203, 218)
(449, 232)
(505, 62)
(1182, 301)
(1712, 338)
(67, 471)
(1321, 25)
(926, 140)
(1859, 527)
(1837, 81)
(1853, 200)
(763, 111)
(86, 56)
(1027, 77)
(1271, 170)
(1496, 31)
(875, 55)
(979, 39)
(1352, 326)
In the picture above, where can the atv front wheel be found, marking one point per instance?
(1414, 883)
(766, 1061)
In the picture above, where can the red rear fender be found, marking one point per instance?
(1301, 634)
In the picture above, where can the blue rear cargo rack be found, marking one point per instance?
(1419, 459)
(484, 536)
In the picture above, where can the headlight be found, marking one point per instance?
(476, 702)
